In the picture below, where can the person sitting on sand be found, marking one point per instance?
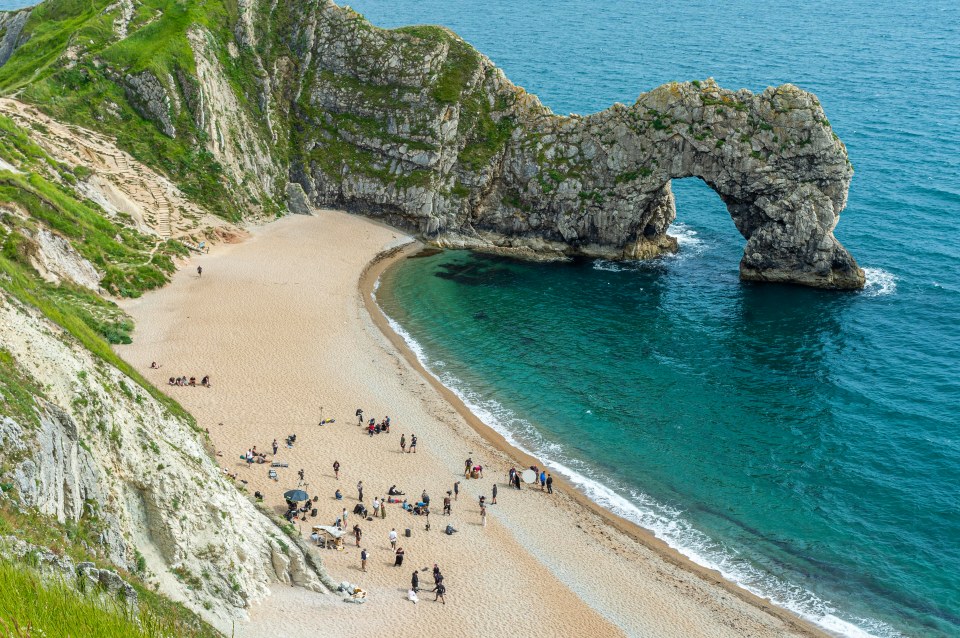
(193, 381)
(338, 495)
(393, 491)
(171, 381)
(154, 366)
(205, 382)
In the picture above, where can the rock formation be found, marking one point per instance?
(415, 126)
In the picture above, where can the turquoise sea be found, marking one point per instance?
(805, 443)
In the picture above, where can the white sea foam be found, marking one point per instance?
(879, 282)
(687, 238)
(666, 523)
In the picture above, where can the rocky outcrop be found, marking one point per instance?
(297, 202)
(150, 98)
(56, 261)
(104, 452)
(414, 125)
(11, 29)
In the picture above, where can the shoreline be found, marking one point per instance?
(277, 322)
(367, 288)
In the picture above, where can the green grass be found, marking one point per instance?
(31, 607)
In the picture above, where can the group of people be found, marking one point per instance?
(192, 381)
(413, 443)
(252, 456)
(438, 587)
(375, 427)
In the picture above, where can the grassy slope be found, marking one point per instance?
(33, 607)
(89, 92)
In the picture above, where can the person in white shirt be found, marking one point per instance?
(393, 538)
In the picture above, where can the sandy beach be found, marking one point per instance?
(283, 324)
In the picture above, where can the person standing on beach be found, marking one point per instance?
(403, 443)
(483, 515)
(549, 484)
(300, 473)
(413, 443)
(357, 533)
(467, 465)
(516, 480)
(363, 560)
(456, 490)
(446, 504)
(360, 490)
(440, 590)
(359, 415)
(199, 271)
(393, 538)
(398, 561)
(276, 446)
(543, 480)
(415, 582)
(343, 518)
(336, 470)
(383, 508)
(493, 501)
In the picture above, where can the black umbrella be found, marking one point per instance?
(296, 495)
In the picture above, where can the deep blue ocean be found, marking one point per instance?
(805, 443)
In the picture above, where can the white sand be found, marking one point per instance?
(279, 324)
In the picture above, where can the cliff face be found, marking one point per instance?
(415, 126)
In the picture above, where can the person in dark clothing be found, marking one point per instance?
(360, 491)
(398, 561)
(336, 470)
(440, 590)
(415, 582)
(199, 271)
(357, 533)
(456, 490)
(493, 501)
(359, 415)
(446, 504)
(516, 480)
(363, 560)
(549, 484)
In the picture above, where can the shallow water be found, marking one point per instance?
(805, 443)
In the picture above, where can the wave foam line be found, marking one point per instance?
(664, 522)
(879, 282)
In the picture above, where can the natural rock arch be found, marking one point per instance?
(415, 126)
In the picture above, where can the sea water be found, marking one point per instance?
(805, 443)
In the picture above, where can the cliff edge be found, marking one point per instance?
(234, 103)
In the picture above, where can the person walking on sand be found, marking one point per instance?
(363, 560)
(467, 466)
(456, 490)
(483, 515)
(413, 443)
(300, 473)
(415, 582)
(440, 590)
(360, 491)
(403, 443)
(336, 470)
(359, 416)
(276, 446)
(357, 533)
(383, 508)
(199, 271)
(549, 484)
(393, 538)
(493, 501)
(446, 504)
(398, 561)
